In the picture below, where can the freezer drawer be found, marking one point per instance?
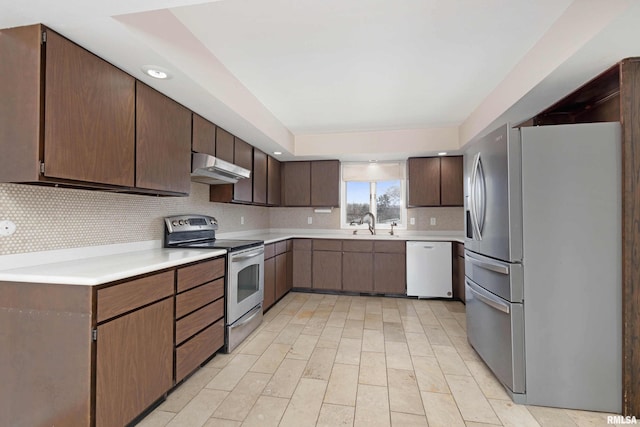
(495, 329)
(429, 269)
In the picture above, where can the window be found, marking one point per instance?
(378, 188)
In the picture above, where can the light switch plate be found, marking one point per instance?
(412, 221)
(309, 220)
(433, 221)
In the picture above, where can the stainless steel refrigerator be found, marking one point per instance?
(543, 262)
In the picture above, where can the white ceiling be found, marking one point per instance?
(276, 72)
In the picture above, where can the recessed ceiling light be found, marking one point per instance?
(277, 153)
(442, 153)
(156, 72)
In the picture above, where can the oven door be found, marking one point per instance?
(245, 282)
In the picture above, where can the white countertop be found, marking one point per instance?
(96, 265)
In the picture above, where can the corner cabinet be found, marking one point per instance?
(435, 181)
(72, 121)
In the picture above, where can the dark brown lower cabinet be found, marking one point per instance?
(327, 270)
(458, 271)
(301, 265)
(282, 287)
(357, 271)
(269, 283)
(134, 363)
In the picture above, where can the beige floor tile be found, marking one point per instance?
(330, 337)
(406, 308)
(393, 331)
(391, 315)
(238, 403)
(450, 361)
(452, 327)
(404, 395)
(289, 335)
(439, 309)
(373, 321)
(278, 323)
(427, 317)
(259, 343)
(512, 415)
(305, 404)
(373, 305)
(337, 319)
(373, 340)
(343, 384)
(314, 326)
(219, 422)
(285, 380)
(157, 418)
(437, 336)
(588, 419)
(389, 303)
(196, 413)
(180, 396)
(418, 344)
(429, 375)
(398, 355)
(353, 329)
(220, 360)
(335, 416)
(303, 347)
(488, 383)
(372, 407)
(399, 419)
(412, 325)
(461, 318)
(343, 303)
(441, 410)
(266, 412)
(464, 349)
(302, 316)
(455, 307)
(231, 374)
(551, 417)
(271, 358)
(320, 363)
(471, 402)
(349, 351)
(373, 369)
(356, 311)
(474, 424)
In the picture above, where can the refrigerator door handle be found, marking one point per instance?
(497, 268)
(488, 298)
(482, 193)
(473, 202)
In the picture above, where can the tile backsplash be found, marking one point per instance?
(50, 218)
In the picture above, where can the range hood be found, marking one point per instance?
(211, 170)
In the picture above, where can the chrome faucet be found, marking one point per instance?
(370, 220)
(393, 224)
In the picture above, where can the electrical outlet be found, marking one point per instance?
(412, 221)
(7, 228)
(309, 220)
(433, 221)
(241, 220)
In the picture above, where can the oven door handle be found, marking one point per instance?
(245, 257)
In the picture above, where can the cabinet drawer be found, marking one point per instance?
(327, 245)
(190, 355)
(389, 247)
(301, 244)
(199, 297)
(269, 250)
(127, 296)
(189, 325)
(194, 275)
(281, 247)
(357, 245)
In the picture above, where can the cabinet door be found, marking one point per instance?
(289, 283)
(389, 273)
(301, 269)
(134, 363)
(281, 275)
(243, 157)
(325, 183)
(327, 270)
(163, 142)
(451, 176)
(357, 271)
(89, 116)
(259, 177)
(269, 283)
(224, 145)
(424, 181)
(273, 182)
(296, 183)
(203, 139)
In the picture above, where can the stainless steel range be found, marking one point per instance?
(245, 271)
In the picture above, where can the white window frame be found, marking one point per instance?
(344, 225)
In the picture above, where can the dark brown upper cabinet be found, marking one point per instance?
(435, 181)
(224, 145)
(296, 183)
(203, 138)
(70, 120)
(259, 177)
(314, 183)
(243, 157)
(325, 183)
(273, 181)
(163, 142)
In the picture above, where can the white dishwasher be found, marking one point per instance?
(429, 269)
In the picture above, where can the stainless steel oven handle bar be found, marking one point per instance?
(245, 257)
(488, 298)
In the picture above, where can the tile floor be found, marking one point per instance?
(328, 360)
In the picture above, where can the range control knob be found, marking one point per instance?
(174, 222)
(181, 222)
